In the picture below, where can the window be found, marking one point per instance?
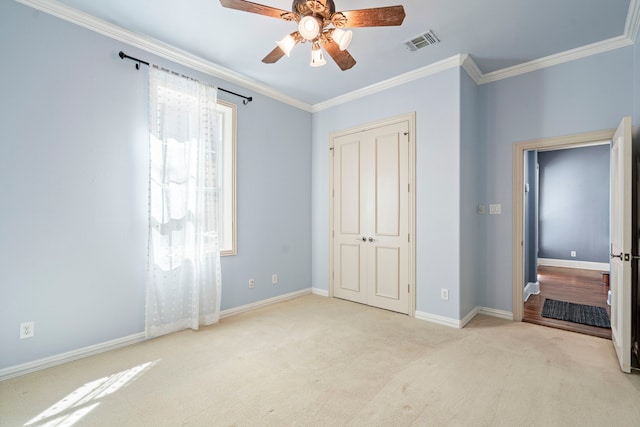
(227, 128)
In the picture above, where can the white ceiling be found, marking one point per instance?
(497, 34)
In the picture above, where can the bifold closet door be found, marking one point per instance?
(371, 203)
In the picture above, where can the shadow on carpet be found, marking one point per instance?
(576, 313)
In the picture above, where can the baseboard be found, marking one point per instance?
(507, 315)
(60, 359)
(263, 303)
(459, 324)
(440, 320)
(532, 288)
(501, 314)
(567, 263)
(321, 292)
(469, 317)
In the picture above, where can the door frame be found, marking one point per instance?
(543, 144)
(411, 119)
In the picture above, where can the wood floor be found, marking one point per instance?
(572, 285)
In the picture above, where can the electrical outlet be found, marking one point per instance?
(573, 254)
(444, 294)
(252, 283)
(274, 279)
(482, 209)
(495, 209)
(27, 330)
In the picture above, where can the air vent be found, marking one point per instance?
(422, 40)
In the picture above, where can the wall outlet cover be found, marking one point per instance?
(27, 330)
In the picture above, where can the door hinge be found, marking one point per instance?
(409, 188)
(409, 287)
(409, 238)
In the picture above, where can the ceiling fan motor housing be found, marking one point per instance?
(324, 8)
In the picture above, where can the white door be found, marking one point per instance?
(371, 217)
(621, 238)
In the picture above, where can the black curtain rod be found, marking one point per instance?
(246, 99)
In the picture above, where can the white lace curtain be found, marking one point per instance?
(183, 290)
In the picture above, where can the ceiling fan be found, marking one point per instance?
(320, 24)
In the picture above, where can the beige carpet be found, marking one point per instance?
(319, 361)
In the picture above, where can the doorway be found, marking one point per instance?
(566, 236)
(372, 211)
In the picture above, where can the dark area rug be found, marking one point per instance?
(577, 313)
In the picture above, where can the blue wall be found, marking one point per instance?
(574, 204)
(580, 96)
(472, 194)
(74, 173)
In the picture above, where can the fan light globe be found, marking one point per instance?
(343, 38)
(287, 44)
(317, 57)
(309, 27)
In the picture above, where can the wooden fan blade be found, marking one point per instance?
(343, 58)
(260, 9)
(277, 53)
(273, 56)
(375, 17)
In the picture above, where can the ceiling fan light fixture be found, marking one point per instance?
(309, 27)
(317, 57)
(343, 38)
(287, 44)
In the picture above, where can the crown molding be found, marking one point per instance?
(632, 25)
(54, 8)
(429, 70)
(158, 48)
(469, 65)
(633, 20)
(559, 58)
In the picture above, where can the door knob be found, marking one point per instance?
(371, 239)
(364, 239)
(616, 256)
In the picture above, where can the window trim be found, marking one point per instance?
(231, 115)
